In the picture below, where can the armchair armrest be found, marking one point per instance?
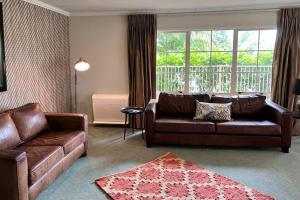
(67, 121)
(284, 118)
(150, 117)
(13, 175)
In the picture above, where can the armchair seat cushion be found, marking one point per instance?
(69, 140)
(249, 127)
(183, 125)
(41, 159)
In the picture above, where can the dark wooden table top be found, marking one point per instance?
(132, 110)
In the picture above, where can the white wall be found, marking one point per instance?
(218, 20)
(102, 41)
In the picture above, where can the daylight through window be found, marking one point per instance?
(215, 61)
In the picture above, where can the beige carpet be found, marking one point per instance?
(278, 173)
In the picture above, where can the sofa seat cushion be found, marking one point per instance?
(183, 125)
(248, 127)
(41, 159)
(69, 140)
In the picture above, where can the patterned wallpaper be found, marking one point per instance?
(37, 57)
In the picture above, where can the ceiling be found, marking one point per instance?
(82, 7)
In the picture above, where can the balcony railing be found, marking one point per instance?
(215, 79)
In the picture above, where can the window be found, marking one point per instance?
(215, 61)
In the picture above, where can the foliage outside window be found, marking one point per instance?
(215, 61)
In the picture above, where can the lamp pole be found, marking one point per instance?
(80, 65)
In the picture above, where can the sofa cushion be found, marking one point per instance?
(213, 111)
(184, 104)
(251, 104)
(183, 125)
(9, 136)
(29, 120)
(235, 107)
(41, 159)
(242, 104)
(248, 127)
(69, 140)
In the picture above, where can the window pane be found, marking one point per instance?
(199, 58)
(170, 78)
(221, 63)
(265, 58)
(176, 59)
(247, 79)
(221, 58)
(161, 42)
(207, 78)
(247, 58)
(176, 42)
(200, 40)
(222, 40)
(248, 40)
(161, 59)
(267, 39)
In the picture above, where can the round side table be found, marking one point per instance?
(132, 112)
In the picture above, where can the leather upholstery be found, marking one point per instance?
(150, 118)
(69, 122)
(69, 140)
(9, 136)
(183, 104)
(284, 118)
(41, 159)
(29, 120)
(247, 127)
(251, 104)
(30, 168)
(256, 122)
(242, 104)
(52, 174)
(13, 175)
(235, 107)
(183, 124)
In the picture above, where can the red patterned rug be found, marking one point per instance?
(172, 178)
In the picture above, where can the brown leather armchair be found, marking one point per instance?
(255, 122)
(36, 147)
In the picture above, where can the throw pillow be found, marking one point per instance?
(213, 111)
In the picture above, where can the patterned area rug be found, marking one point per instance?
(172, 178)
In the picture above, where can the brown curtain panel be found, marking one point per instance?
(142, 60)
(286, 64)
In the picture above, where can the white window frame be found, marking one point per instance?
(233, 86)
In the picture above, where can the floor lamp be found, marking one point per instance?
(81, 65)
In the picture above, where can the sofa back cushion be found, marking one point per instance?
(181, 104)
(252, 104)
(9, 136)
(29, 120)
(242, 104)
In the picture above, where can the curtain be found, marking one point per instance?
(286, 63)
(142, 60)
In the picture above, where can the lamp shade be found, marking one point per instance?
(296, 90)
(82, 65)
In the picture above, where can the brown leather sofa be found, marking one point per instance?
(36, 147)
(255, 122)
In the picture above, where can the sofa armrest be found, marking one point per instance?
(67, 121)
(284, 118)
(13, 175)
(150, 117)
